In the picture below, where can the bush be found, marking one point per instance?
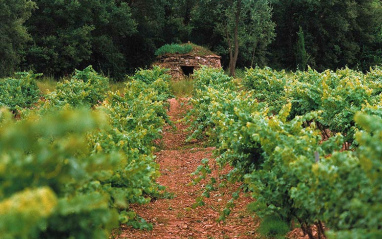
(204, 79)
(156, 79)
(282, 158)
(81, 169)
(86, 88)
(47, 159)
(21, 92)
(268, 86)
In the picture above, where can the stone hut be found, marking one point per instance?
(182, 65)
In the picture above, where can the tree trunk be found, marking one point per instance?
(253, 53)
(234, 56)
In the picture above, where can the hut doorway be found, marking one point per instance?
(187, 70)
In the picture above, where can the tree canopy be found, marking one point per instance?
(118, 36)
(13, 33)
(74, 34)
(337, 33)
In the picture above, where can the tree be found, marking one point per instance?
(302, 56)
(177, 28)
(335, 31)
(372, 53)
(203, 21)
(75, 34)
(159, 22)
(259, 33)
(115, 36)
(13, 34)
(241, 23)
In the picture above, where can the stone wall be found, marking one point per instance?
(180, 65)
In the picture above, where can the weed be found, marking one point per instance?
(182, 88)
(46, 85)
(273, 227)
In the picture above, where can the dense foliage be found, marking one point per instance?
(21, 92)
(47, 158)
(86, 88)
(335, 33)
(13, 33)
(116, 37)
(338, 95)
(71, 166)
(74, 34)
(242, 24)
(279, 149)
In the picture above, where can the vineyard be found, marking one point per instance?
(305, 145)
(74, 160)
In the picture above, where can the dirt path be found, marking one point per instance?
(175, 218)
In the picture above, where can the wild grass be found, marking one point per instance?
(239, 72)
(173, 48)
(182, 88)
(46, 84)
(117, 86)
(273, 227)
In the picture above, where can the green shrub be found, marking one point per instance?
(339, 95)
(268, 86)
(155, 79)
(86, 88)
(282, 158)
(205, 79)
(23, 212)
(212, 77)
(149, 76)
(89, 166)
(173, 48)
(20, 92)
(46, 159)
(136, 118)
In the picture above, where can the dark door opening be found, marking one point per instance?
(187, 70)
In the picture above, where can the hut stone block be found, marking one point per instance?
(175, 62)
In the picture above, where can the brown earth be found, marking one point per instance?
(175, 218)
